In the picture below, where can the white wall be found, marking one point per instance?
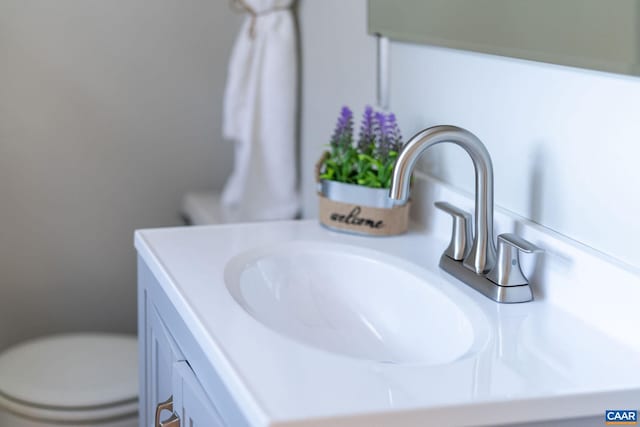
(338, 68)
(109, 111)
(564, 142)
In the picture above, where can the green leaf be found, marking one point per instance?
(329, 174)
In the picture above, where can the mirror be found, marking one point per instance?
(595, 34)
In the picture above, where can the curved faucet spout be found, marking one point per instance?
(483, 252)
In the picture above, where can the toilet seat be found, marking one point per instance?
(61, 415)
(71, 378)
(202, 208)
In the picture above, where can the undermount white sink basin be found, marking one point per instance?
(351, 301)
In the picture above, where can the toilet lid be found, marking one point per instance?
(72, 371)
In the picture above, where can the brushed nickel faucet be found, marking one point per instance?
(472, 262)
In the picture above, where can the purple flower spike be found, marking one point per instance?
(380, 121)
(368, 130)
(389, 136)
(343, 134)
(394, 136)
(382, 147)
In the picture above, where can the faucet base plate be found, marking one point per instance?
(501, 294)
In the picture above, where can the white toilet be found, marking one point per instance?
(73, 379)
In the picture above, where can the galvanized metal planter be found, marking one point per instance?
(360, 210)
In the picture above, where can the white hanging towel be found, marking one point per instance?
(260, 115)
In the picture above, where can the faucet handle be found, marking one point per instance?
(460, 244)
(506, 271)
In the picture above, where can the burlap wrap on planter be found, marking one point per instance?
(363, 219)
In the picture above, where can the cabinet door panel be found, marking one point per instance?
(163, 352)
(190, 401)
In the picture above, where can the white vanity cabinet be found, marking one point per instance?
(171, 394)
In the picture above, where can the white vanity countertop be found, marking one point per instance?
(534, 362)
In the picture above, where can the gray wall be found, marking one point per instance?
(109, 112)
(564, 141)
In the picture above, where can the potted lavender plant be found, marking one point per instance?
(354, 176)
